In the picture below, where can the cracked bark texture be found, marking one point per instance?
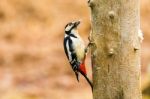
(116, 49)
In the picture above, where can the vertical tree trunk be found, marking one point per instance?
(116, 49)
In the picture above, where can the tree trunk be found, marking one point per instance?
(116, 49)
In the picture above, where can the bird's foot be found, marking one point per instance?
(90, 3)
(89, 45)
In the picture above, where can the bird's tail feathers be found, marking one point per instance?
(88, 80)
(77, 75)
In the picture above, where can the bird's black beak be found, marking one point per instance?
(77, 23)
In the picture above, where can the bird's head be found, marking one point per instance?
(71, 26)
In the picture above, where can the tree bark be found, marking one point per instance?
(116, 49)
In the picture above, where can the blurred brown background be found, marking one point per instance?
(32, 61)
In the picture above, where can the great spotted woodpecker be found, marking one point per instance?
(75, 50)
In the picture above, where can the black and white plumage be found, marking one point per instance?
(75, 50)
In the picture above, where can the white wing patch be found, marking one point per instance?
(69, 53)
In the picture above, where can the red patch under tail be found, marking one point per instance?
(82, 68)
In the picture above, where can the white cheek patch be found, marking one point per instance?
(68, 28)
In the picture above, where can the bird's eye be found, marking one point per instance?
(69, 24)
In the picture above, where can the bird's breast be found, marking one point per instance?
(79, 48)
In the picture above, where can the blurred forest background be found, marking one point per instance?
(32, 60)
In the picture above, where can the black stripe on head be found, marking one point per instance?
(69, 31)
(72, 26)
(68, 24)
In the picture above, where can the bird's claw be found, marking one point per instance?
(90, 41)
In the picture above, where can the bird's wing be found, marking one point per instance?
(66, 47)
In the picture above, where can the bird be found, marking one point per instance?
(75, 50)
